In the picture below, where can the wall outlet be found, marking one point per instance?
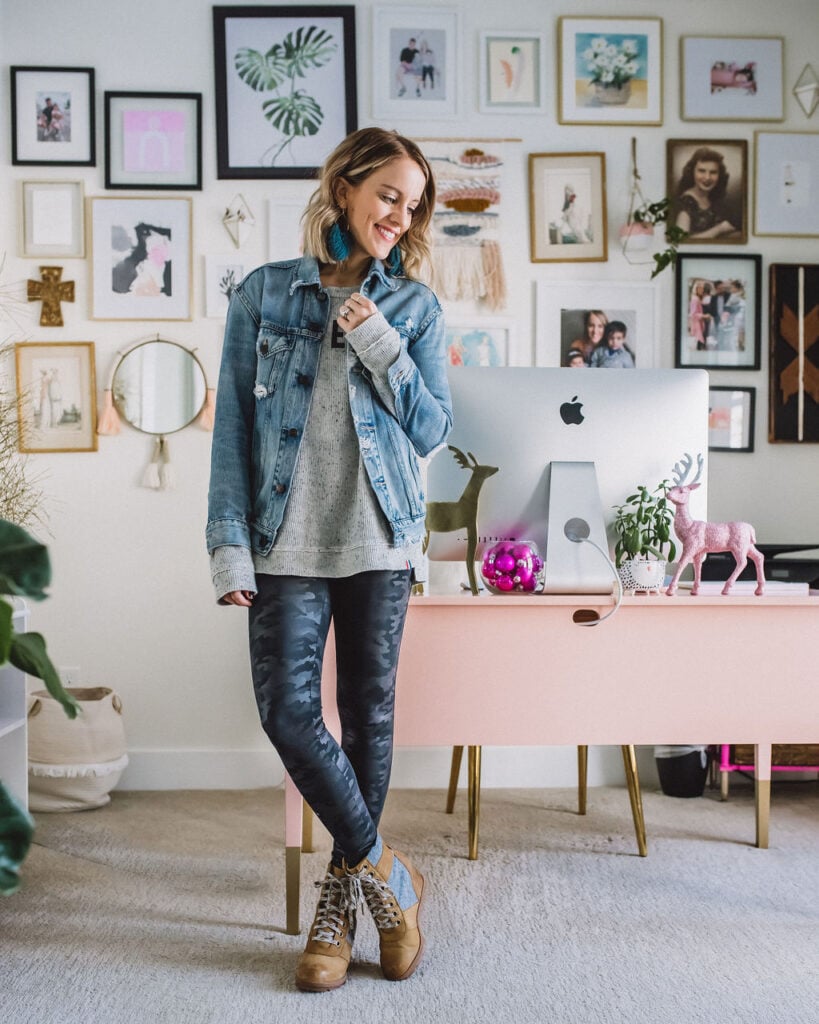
(70, 675)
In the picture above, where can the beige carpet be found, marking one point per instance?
(169, 907)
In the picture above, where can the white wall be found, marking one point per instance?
(131, 603)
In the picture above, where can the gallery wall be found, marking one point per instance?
(131, 605)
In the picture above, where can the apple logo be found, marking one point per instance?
(570, 412)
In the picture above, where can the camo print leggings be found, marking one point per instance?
(345, 785)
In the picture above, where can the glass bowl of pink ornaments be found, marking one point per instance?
(513, 567)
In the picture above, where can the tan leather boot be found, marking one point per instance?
(326, 957)
(402, 944)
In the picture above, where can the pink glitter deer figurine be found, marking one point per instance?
(698, 538)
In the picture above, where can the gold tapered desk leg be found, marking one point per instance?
(474, 789)
(582, 775)
(454, 772)
(292, 875)
(633, 783)
(307, 829)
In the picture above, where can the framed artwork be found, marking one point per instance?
(53, 219)
(57, 392)
(153, 140)
(415, 70)
(512, 73)
(585, 324)
(786, 197)
(718, 311)
(731, 413)
(222, 274)
(52, 116)
(285, 88)
(485, 341)
(567, 207)
(140, 258)
(793, 413)
(610, 70)
(708, 182)
(732, 78)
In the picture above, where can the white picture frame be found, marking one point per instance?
(786, 184)
(222, 274)
(559, 316)
(121, 258)
(512, 72)
(732, 78)
(479, 341)
(403, 89)
(53, 223)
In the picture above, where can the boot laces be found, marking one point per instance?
(335, 909)
(380, 899)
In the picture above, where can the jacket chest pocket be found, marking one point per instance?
(272, 354)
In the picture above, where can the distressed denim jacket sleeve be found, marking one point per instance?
(230, 494)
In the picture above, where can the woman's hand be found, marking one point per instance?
(243, 598)
(355, 311)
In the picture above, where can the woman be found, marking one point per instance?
(701, 195)
(333, 383)
(594, 326)
(698, 319)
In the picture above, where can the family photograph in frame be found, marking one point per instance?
(567, 207)
(610, 70)
(707, 182)
(718, 311)
(285, 88)
(56, 396)
(52, 116)
(607, 325)
(415, 62)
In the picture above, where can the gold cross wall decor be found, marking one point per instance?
(51, 291)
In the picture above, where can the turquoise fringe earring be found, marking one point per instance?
(338, 242)
(393, 262)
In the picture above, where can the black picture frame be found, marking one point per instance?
(59, 134)
(165, 127)
(735, 415)
(321, 110)
(714, 337)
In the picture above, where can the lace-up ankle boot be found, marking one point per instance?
(326, 957)
(392, 889)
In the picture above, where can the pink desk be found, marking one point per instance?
(517, 670)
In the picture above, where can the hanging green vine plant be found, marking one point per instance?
(292, 113)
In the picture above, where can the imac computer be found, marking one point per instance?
(569, 445)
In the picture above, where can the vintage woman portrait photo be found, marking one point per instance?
(707, 182)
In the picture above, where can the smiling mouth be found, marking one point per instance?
(387, 234)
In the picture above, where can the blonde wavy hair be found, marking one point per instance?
(361, 154)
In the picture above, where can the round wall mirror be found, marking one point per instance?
(159, 387)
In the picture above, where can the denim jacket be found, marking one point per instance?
(275, 324)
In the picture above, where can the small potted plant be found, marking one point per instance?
(642, 527)
(637, 234)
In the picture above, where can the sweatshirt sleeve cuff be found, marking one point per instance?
(231, 568)
(376, 344)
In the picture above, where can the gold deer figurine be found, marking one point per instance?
(446, 516)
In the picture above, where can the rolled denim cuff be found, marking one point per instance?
(231, 568)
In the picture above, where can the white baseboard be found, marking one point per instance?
(413, 768)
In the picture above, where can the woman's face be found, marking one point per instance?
(595, 328)
(706, 175)
(379, 210)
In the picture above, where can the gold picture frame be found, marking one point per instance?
(56, 396)
(732, 78)
(567, 207)
(786, 192)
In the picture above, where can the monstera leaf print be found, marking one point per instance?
(292, 112)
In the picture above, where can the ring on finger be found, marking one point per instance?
(344, 312)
